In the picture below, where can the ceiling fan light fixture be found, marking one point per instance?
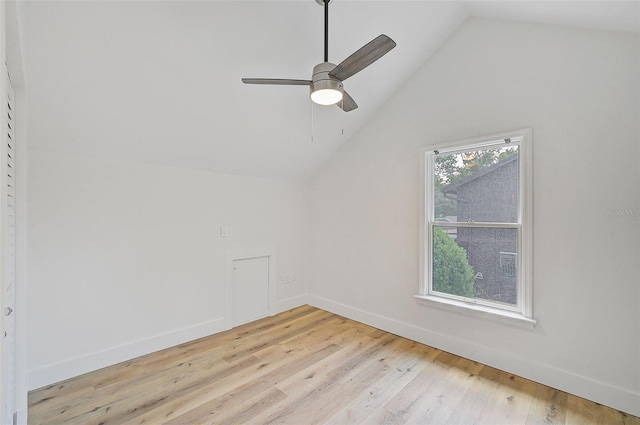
(326, 82)
(326, 92)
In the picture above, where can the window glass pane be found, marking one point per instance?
(479, 186)
(476, 262)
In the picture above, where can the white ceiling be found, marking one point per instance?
(159, 81)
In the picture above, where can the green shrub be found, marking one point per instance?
(452, 273)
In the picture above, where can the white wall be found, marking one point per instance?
(579, 91)
(127, 258)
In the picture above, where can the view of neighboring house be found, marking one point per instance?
(490, 195)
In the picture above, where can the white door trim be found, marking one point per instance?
(8, 250)
(243, 254)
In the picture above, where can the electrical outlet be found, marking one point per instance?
(287, 278)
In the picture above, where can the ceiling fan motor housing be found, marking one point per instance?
(321, 80)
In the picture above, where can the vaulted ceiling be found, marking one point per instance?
(159, 81)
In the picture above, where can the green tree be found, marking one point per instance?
(452, 273)
(443, 205)
(447, 169)
(454, 167)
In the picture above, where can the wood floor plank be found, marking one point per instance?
(581, 411)
(351, 376)
(276, 363)
(368, 404)
(270, 380)
(405, 402)
(237, 413)
(308, 378)
(444, 394)
(246, 346)
(476, 397)
(548, 406)
(510, 404)
(308, 366)
(82, 387)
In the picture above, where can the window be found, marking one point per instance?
(476, 226)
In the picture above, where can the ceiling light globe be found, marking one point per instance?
(326, 96)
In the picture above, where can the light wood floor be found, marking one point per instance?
(308, 366)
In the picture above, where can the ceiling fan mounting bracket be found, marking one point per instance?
(321, 71)
(321, 2)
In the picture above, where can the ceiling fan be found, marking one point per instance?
(326, 86)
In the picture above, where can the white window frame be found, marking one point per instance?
(522, 312)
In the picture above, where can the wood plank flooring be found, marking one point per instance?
(308, 366)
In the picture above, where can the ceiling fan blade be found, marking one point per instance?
(347, 104)
(276, 81)
(363, 57)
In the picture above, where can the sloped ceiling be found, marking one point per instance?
(159, 81)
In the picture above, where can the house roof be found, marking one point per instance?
(453, 187)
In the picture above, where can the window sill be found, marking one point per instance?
(477, 311)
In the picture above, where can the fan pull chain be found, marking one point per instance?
(311, 121)
(342, 115)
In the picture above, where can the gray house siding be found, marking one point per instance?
(491, 195)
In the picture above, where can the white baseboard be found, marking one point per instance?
(57, 372)
(21, 417)
(582, 386)
(290, 303)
